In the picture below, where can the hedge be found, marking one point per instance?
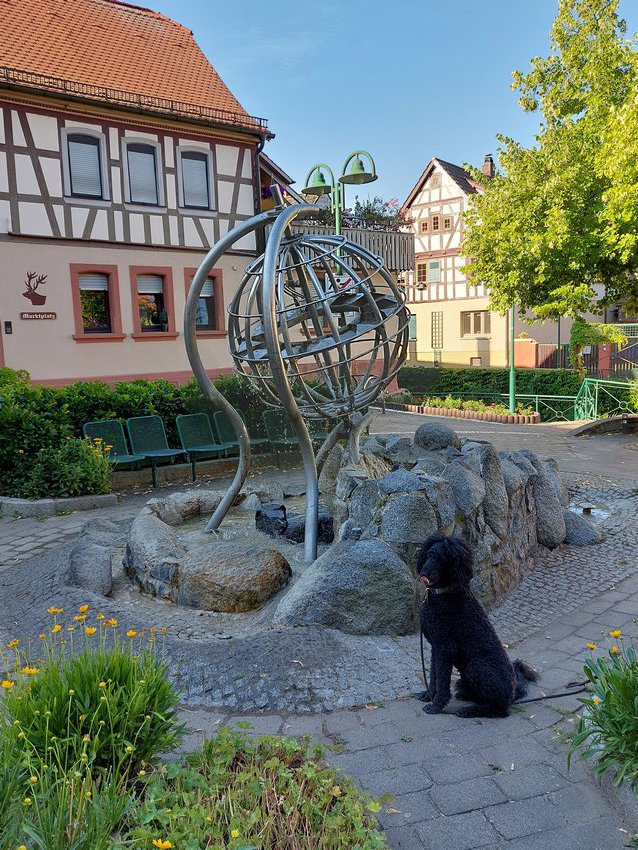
(37, 419)
(424, 379)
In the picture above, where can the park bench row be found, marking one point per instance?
(201, 438)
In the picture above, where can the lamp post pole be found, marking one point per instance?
(559, 358)
(512, 398)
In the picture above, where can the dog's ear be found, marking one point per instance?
(461, 562)
(431, 541)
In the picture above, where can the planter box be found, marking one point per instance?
(51, 507)
(501, 418)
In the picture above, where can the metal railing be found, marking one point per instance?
(552, 408)
(395, 247)
(128, 99)
(597, 398)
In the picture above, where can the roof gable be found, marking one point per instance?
(459, 175)
(115, 45)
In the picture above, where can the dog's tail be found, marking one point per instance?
(524, 674)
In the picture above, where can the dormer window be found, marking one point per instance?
(435, 181)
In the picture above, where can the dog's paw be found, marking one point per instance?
(430, 708)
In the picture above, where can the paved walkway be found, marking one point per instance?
(454, 784)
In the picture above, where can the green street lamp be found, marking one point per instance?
(354, 172)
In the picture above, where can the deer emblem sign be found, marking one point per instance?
(33, 281)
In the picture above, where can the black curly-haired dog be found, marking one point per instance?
(460, 634)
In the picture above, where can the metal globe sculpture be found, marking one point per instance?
(319, 325)
(341, 325)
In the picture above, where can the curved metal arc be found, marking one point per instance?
(278, 369)
(205, 383)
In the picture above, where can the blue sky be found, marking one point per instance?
(405, 79)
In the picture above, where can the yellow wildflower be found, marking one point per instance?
(616, 633)
(13, 643)
(90, 631)
(7, 684)
(162, 844)
(83, 609)
(131, 633)
(20, 451)
(152, 630)
(30, 671)
(34, 780)
(141, 773)
(24, 846)
(234, 833)
(102, 684)
(129, 749)
(336, 791)
(27, 801)
(53, 610)
(592, 646)
(57, 628)
(42, 637)
(596, 700)
(71, 692)
(100, 617)
(71, 629)
(80, 618)
(614, 650)
(163, 629)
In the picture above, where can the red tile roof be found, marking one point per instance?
(115, 45)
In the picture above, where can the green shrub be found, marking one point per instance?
(31, 419)
(608, 729)
(267, 793)
(11, 377)
(424, 379)
(76, 468)
(238, 390)
(93, 697)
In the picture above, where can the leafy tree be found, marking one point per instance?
(543, 235)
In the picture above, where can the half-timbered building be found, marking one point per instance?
(123, 158)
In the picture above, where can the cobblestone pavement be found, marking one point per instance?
(457, 784)
(462, 785)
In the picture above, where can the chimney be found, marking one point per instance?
(488, 165)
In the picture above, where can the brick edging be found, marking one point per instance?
(502, 418)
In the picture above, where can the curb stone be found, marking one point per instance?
(51, 507)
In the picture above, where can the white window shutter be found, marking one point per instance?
(207, 288)
(84, 166)
(150, 284)
(94, 282)
(142, 170)
(195, 180)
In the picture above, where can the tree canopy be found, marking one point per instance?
(556, 229)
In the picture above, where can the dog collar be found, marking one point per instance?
(437, 591)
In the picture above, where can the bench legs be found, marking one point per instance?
(153, 472)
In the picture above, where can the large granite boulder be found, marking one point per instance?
(360, 587)
(548, 497)
(434, 436)
(229, 576)
(580, 531)
(90, 566)
(483, 459)
(153, 555)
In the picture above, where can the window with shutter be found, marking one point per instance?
(142, 174)
(412, 328)
(195, 185)
(150, 302)
(94, 303)
(85, 166)
(206, 310)
(434, 271)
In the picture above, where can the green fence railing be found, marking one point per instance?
(597, 398)
(552, 408)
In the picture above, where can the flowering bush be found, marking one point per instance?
(477, 406)
(84, 714)
(608, 729)
(77, 467)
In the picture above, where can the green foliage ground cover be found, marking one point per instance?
(86, 711)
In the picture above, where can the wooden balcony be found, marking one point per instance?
(397, 249)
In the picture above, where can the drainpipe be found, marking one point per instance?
(260, 234)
